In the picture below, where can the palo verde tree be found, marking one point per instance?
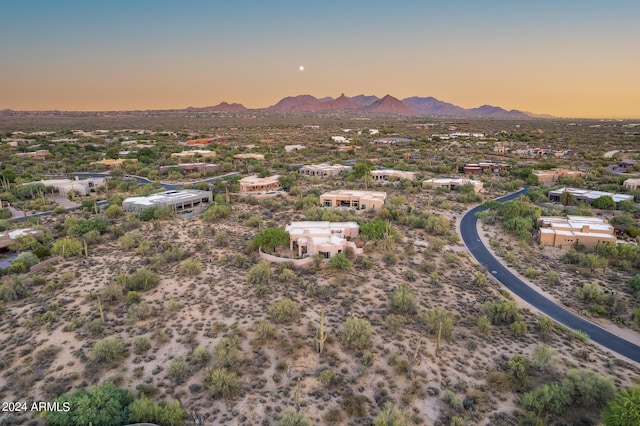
(269, 239)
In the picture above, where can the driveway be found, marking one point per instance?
(471, 238)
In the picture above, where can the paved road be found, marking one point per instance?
(167, 186)
(556, 312)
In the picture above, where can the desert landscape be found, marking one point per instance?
(178, 319)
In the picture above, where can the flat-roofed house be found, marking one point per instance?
(81, 186)
(109, 162)
(255, 183)
(323, 169)
(40, 154)
(324, 238)
(178, 200)
(631, 184)
(588, 196)
(383, 175)
(566, 232)
(204, 153)
(354, 199)
(191, 167)
(551, 176)
(452, 184)
(248, 156)
(480, 168)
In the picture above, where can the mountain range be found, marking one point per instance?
(413, 106)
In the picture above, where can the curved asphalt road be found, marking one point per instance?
(470, 236)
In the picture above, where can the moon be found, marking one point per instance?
(301, 68)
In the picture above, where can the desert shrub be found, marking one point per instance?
(329, 377)
(139, 311)
(130, 240)
(265, 331)
(519, 328)
(67, 247)
(394, 322)
(437, 321)
(215, 212)
(15, 289)
(178, 369)
(172, 305)
(392, 416)
(284, 311)
(254, 221)
(402, 300)
(623, 409)
(340, 262)
(634, 283)
(200, 356)
(226, 353)
(144, 410)
(356, 333)
(141, 345)
(222, 383)
(287, 275)
(355, 405)
(293, 418)
(502, 311)
(107, 352)
(133, 297)
(333, 416)
(260, 273)
(141, 280)
(580, 335)
(190, 267)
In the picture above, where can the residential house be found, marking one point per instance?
(631, 184)
(258, 157)
(566, 232)
(551, 176)
(109, 162)
(452, 184)
(191, 167)
(324, 238)
(184, 199)
(204, 153)
(40, 154)
(80, 186)
(323, 170)
(480, 168)
(383, 175)
(359, 200)
(254, 183)
(587, 195)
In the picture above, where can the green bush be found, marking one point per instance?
(284, 311)
(215, 212)
(200, 356)
(356, 333)
(260, 273)
(141, 345)
(144, 410)
(392, 416)
(402, 300)
(67, 247)
(141, 280)
(340, 262)
(190, 267)
(107, 352)
(227, 353)
(293, 418)
(502, 311)
(177, 370)
(222, 383)
(623, 409)
(104, 405)
(440, 321)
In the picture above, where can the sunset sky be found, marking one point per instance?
(565, 58)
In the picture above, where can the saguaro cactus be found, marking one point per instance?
(321, 335)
